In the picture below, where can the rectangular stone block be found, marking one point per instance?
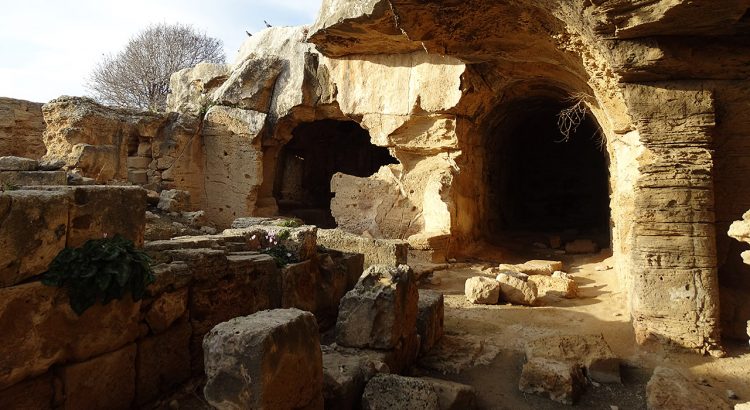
(32, 394)
(139, 162)
(99, 210)
(33, 178)
(40, 329)
(391, 252)
(300, 282)
(163, 362)
(105, 382)
(430, 318)
(138, 177)
(34, 228)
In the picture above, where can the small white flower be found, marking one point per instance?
(288, 255)
(252, 238)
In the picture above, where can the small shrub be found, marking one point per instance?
(277, 250)
(100, 270)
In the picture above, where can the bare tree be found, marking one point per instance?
(138, 76)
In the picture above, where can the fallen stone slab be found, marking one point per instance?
(517, 291)
(430, 318)
(392, 252)
(268, 360)
(534, 267)
(381, 311)
(393, 392)
(560, 381)
(669, 389)
(482, 291)
(556, 286)
(588, 351)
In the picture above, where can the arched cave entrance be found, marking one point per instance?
(309, 160)
(541, 181)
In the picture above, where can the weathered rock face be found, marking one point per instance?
(21, 128)
(590, 352)
(669, 389)
(560, 381)
(190, 89)
(482, 291)
(381, 311)
(269, 360)
(397, 392)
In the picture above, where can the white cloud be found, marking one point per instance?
(48, 48)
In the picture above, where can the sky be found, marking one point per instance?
(48, 48)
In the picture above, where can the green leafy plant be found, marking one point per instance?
(100, 270)
(290, 223)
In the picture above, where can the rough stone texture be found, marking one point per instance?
(560, 381)
(21, 128)
(231, 136)
(669, 389)
(555, 286)
(190, 88)
(40, 330)
(517, 291)
(585, 351)
(105, 382)
(482, 291)
(453, 396)
(36, 394)
(106, 211)
(535, 267)
(393, 392)
(301, 241)
(163, 363)
(377, 251)
(430, 318)
(33, 178)
(344, 378)
(34, 231)
(174, 200)
(251, 84)
(12, 163)
(381, 311)
(166, 310)
(271, 359)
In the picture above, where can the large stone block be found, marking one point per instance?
(301, 241)
(98, 211)
(251, 84)
(40, 329)
(453, 396)
(338, 274)
(166, 310)
(163, 362)
(269, 360)
(392, 252)
(560, 381)
(393, 392)
(34, 227)
(481, 290)
(300, 282)
(587, 351)
(516, 290)
(11, 163)
(344, 377)
(381, 311)
(430, 318)
(33, 178)
(669, 389)
(105, 382)
(32, 394)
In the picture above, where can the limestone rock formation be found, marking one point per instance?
(21, 128)
(381, 311)
(190, 89)
(268, 360)
(590, 352)
(430, 324)
(560, 381)
(517, 291)
(555, 286)
(393, 392)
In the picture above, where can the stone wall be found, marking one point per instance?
(21, 128)
(128, 354)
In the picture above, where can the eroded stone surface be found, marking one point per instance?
(271, 359)
(430, 318)
(560, 381)
(669, 389)
(395, 392)
(517, 291)
(481, 290)
(21, 128)
(586, 351)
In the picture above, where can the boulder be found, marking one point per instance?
(669, 389)
(174, 200)
(392, 392)
(453, 396)
(517, 291)
(11, 163)
(482, 291)
(560, 381)
(381, 311)
(430, 318)
(251, 85)
(190, 88)
(587, 351)
(555, 285)
(268, 360)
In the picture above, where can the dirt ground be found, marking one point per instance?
(484, 345)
